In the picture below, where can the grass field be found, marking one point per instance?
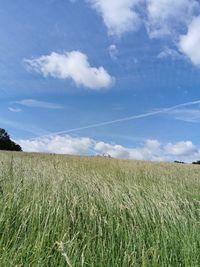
(80, 211)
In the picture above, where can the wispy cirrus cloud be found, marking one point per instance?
(33, 103)
(16, 110)
(72, 65)
(187, 115)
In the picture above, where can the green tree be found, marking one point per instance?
(6, 143)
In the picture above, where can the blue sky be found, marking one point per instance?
(69, 64)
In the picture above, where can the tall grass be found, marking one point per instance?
(79, 211)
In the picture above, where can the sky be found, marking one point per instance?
(93, 77)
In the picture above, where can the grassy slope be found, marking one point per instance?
(78, 211)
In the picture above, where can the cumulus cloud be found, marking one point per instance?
(161, 18)
(119, 16)
(165, 17)
(149, 150)
(183, 148)
(116, 151)
(73, 65)
(189, 43)
(57, 144)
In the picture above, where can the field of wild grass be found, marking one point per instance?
(80, 211)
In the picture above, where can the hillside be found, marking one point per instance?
(85, 211)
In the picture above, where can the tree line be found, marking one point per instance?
(6, 143)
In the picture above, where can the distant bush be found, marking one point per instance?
(180, 162)
(196, 162)
(6, 143)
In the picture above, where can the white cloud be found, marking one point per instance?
(73, 65)
(38, 104)
(116, 151)
(190, 43)
(183, 148)
(113, 51)
(164, 17)
(57, 144)
(119, 16)
(150, 150)
(173, 18)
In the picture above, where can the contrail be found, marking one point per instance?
(134, 117)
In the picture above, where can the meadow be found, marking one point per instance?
(71, 211)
